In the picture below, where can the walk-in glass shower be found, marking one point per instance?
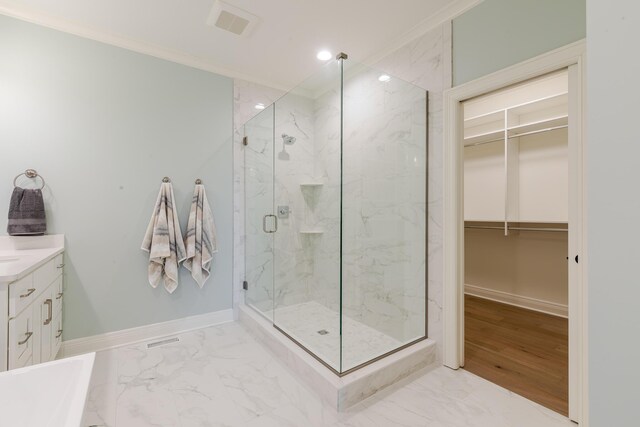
(336, 214)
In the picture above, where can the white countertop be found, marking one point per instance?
(20, 256)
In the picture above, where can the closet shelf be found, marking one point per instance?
(525, 107)
(484, 119)
(538, 115)
(541, 104)
(539, 126)
(484, 138)
(549, 124)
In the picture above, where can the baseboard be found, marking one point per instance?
(143, 333)
(548, 307)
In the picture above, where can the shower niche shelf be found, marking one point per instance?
(311, 231)
(311, 184)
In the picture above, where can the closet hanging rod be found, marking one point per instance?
(487, 227)
(533, 132)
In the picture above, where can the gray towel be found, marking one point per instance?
(26, 213)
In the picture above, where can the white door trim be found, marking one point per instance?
(573, 57)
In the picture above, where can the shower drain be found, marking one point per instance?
(323, 332)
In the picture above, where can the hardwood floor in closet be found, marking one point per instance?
(521, 350)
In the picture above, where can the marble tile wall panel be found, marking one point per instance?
(384, 205)
(246, 96)
(278, 266)
(258, 201)
(326, 280)
(293, 165)
(426, 62)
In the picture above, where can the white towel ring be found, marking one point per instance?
(29, 173)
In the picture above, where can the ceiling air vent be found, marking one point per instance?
(231, 18)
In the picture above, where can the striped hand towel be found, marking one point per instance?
(201, 237)
(163, 241)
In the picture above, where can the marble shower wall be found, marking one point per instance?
(294, 164)
(383, 203)
(285, 277)
(326, 280)
(424, 62)
(258, 200)
(245, 95)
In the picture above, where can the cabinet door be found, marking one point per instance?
(46, 326)
(57, 295)
(56, 339)
(22, 338)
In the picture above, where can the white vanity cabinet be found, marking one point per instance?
(31, 294)
(35, 315)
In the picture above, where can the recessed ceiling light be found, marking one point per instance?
(384, 78)
(259, 106)
(324, 55)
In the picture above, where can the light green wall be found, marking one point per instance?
(499, 33)
(103, 125)
(613, 209)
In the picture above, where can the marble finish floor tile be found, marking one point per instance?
(360, 343)
(220, 376)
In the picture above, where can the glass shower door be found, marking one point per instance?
(260, 222)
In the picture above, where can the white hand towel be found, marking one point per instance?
(201, 237)
(163, 241)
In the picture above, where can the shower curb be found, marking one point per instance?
(348, 390)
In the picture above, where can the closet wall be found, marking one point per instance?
(514, 186)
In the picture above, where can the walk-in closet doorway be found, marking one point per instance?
(513, 229)
(516, 223)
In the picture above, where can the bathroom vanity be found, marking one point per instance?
(31, 293)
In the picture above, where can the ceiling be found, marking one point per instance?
(281, 49)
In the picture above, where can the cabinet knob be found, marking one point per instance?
(60, 265)
(59, 333)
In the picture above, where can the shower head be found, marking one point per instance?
(288, 140)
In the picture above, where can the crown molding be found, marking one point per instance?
(33, 16)
(444, 14)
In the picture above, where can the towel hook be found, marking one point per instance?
(166, 179)
(29, 173)
(198, 181)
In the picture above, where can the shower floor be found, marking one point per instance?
(317, 328)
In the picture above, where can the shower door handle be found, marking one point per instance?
(264, 223)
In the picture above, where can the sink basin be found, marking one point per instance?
(8, 259)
